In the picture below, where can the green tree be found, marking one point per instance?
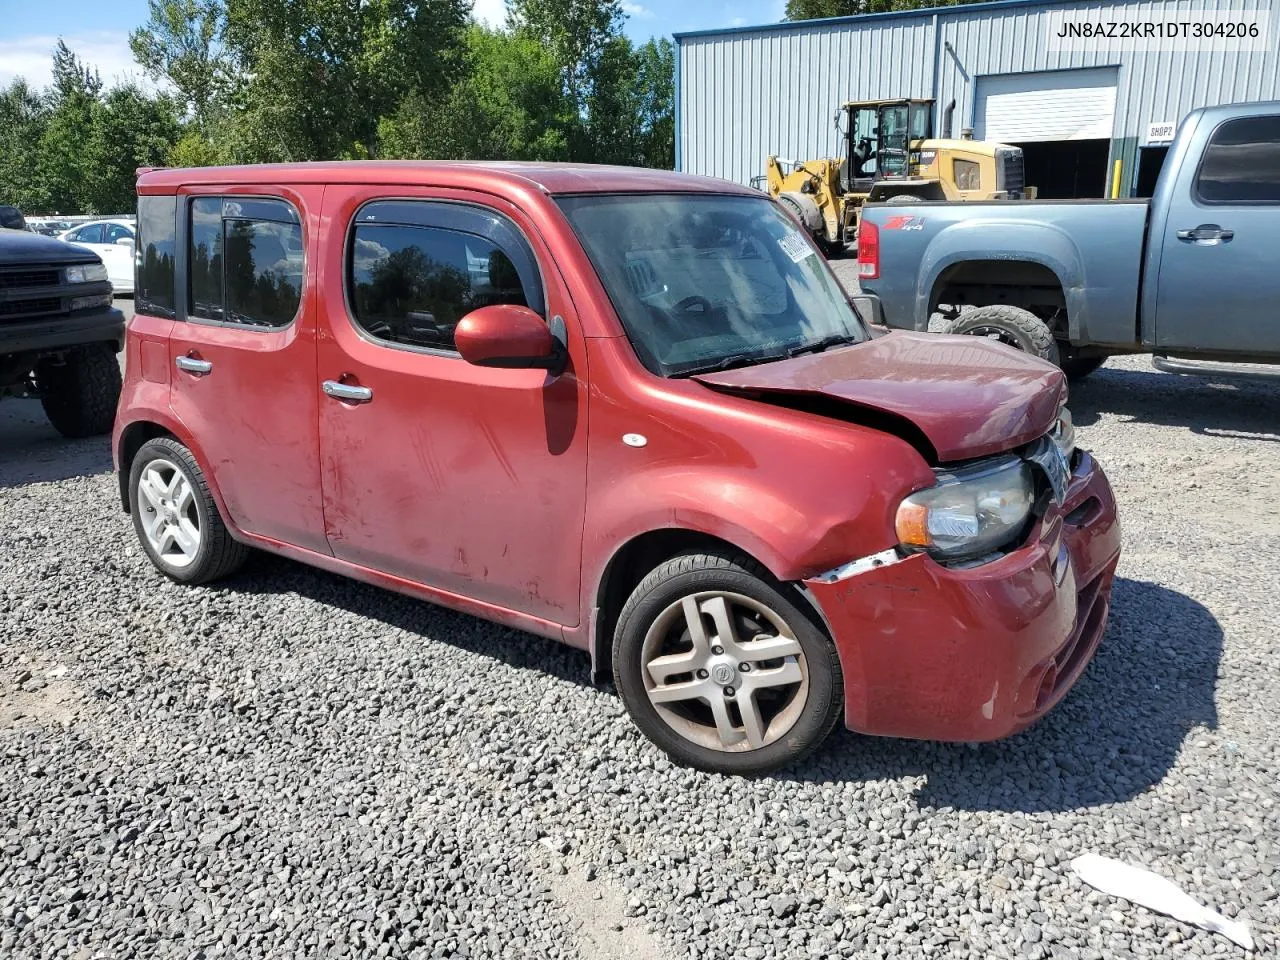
(61, 165)
(316, 76)
(24, 116)
(182, 42)
(128, 129)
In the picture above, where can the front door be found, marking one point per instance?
(1219, 289)
(471, 480)
(244, 360)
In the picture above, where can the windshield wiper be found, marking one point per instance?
(727, 363)
(826, 343)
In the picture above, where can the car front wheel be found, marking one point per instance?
(176, 518)
(720, 667)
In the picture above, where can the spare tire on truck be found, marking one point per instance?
(1012, 325)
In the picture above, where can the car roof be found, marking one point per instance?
(492, 176)
(122, 221)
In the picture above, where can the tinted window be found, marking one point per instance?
(204, 258)
(411, 285)
(968, 175)
(1242, 162)
(89, 234)
(245, 261)
(157, 226)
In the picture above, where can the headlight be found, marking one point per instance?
(88, 273)
(970, 513)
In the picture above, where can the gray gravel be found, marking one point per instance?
(295, 765)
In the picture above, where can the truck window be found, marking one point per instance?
(1241, 164)
(153, 256)
(968, 175)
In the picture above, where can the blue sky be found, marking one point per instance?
(99, 29)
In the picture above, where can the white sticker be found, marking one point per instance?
(796, 247)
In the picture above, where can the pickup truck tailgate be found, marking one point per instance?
(1093, 245)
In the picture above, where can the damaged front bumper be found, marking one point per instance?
(939, 653)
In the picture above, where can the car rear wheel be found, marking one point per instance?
(1012, 325)
(177, 519)
(721, 668)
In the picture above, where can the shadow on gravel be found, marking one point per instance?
(1212, 407)
(31, 451)
(1117, 733)
(269, 574)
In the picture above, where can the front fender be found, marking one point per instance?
(1006, 239)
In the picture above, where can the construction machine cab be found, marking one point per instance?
(878, 136)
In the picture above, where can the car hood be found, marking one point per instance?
(21, 247)
(969, 396)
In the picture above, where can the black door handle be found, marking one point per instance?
(1206, 233)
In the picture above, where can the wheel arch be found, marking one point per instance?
(630, 563)
(137, 432)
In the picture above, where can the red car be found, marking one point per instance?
(631, 410)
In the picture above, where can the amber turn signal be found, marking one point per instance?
(912, 525)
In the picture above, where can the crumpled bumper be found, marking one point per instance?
(942, 654)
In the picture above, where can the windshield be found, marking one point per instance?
(710, 282)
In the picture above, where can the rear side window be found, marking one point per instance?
(1241, 164)
(90, 234)
(415, 269)
(116, 231)
(157, 238)
(245, 261)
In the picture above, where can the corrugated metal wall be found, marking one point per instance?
(745, 94)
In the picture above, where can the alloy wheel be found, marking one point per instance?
(724, 671)
(170, 520)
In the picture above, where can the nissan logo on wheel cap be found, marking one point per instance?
(722, 673)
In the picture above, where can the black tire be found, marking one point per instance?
(218, 555)
(1077, 368)
(1012, 325)
(80, 390)
(733, 574)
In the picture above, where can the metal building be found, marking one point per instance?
(1094, 116)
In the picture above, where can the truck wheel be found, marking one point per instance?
(1077, 368)
(79, 393)
(176, 518)
(1012, 325)
(719, 666)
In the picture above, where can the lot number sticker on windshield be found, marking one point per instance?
(796, 247)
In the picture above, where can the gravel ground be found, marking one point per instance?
(295, 765)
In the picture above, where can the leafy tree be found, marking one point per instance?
(24, 115)
(183, 43)
(128, 130)
(316, 75)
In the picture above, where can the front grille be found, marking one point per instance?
(15, 279)
(13, 309)
(1012, 178)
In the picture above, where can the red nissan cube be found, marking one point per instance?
(631, 410)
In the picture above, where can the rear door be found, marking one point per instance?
(1218, 288)
(243, 363)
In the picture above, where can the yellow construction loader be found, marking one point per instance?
(888, 155)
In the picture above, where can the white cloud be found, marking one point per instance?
(492, 13)
(738, 22)
(635, 9)
(106, 50)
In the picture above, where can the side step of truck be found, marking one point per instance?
(1216, 368)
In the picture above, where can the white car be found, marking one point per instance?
(113, 241)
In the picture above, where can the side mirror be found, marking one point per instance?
(511, 336)
(124, 242)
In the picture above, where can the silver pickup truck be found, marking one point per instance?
(1193, 274)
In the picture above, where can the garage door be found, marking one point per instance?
(1062, 105)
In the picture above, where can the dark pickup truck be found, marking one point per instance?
(1189, 277)
(59, 334)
